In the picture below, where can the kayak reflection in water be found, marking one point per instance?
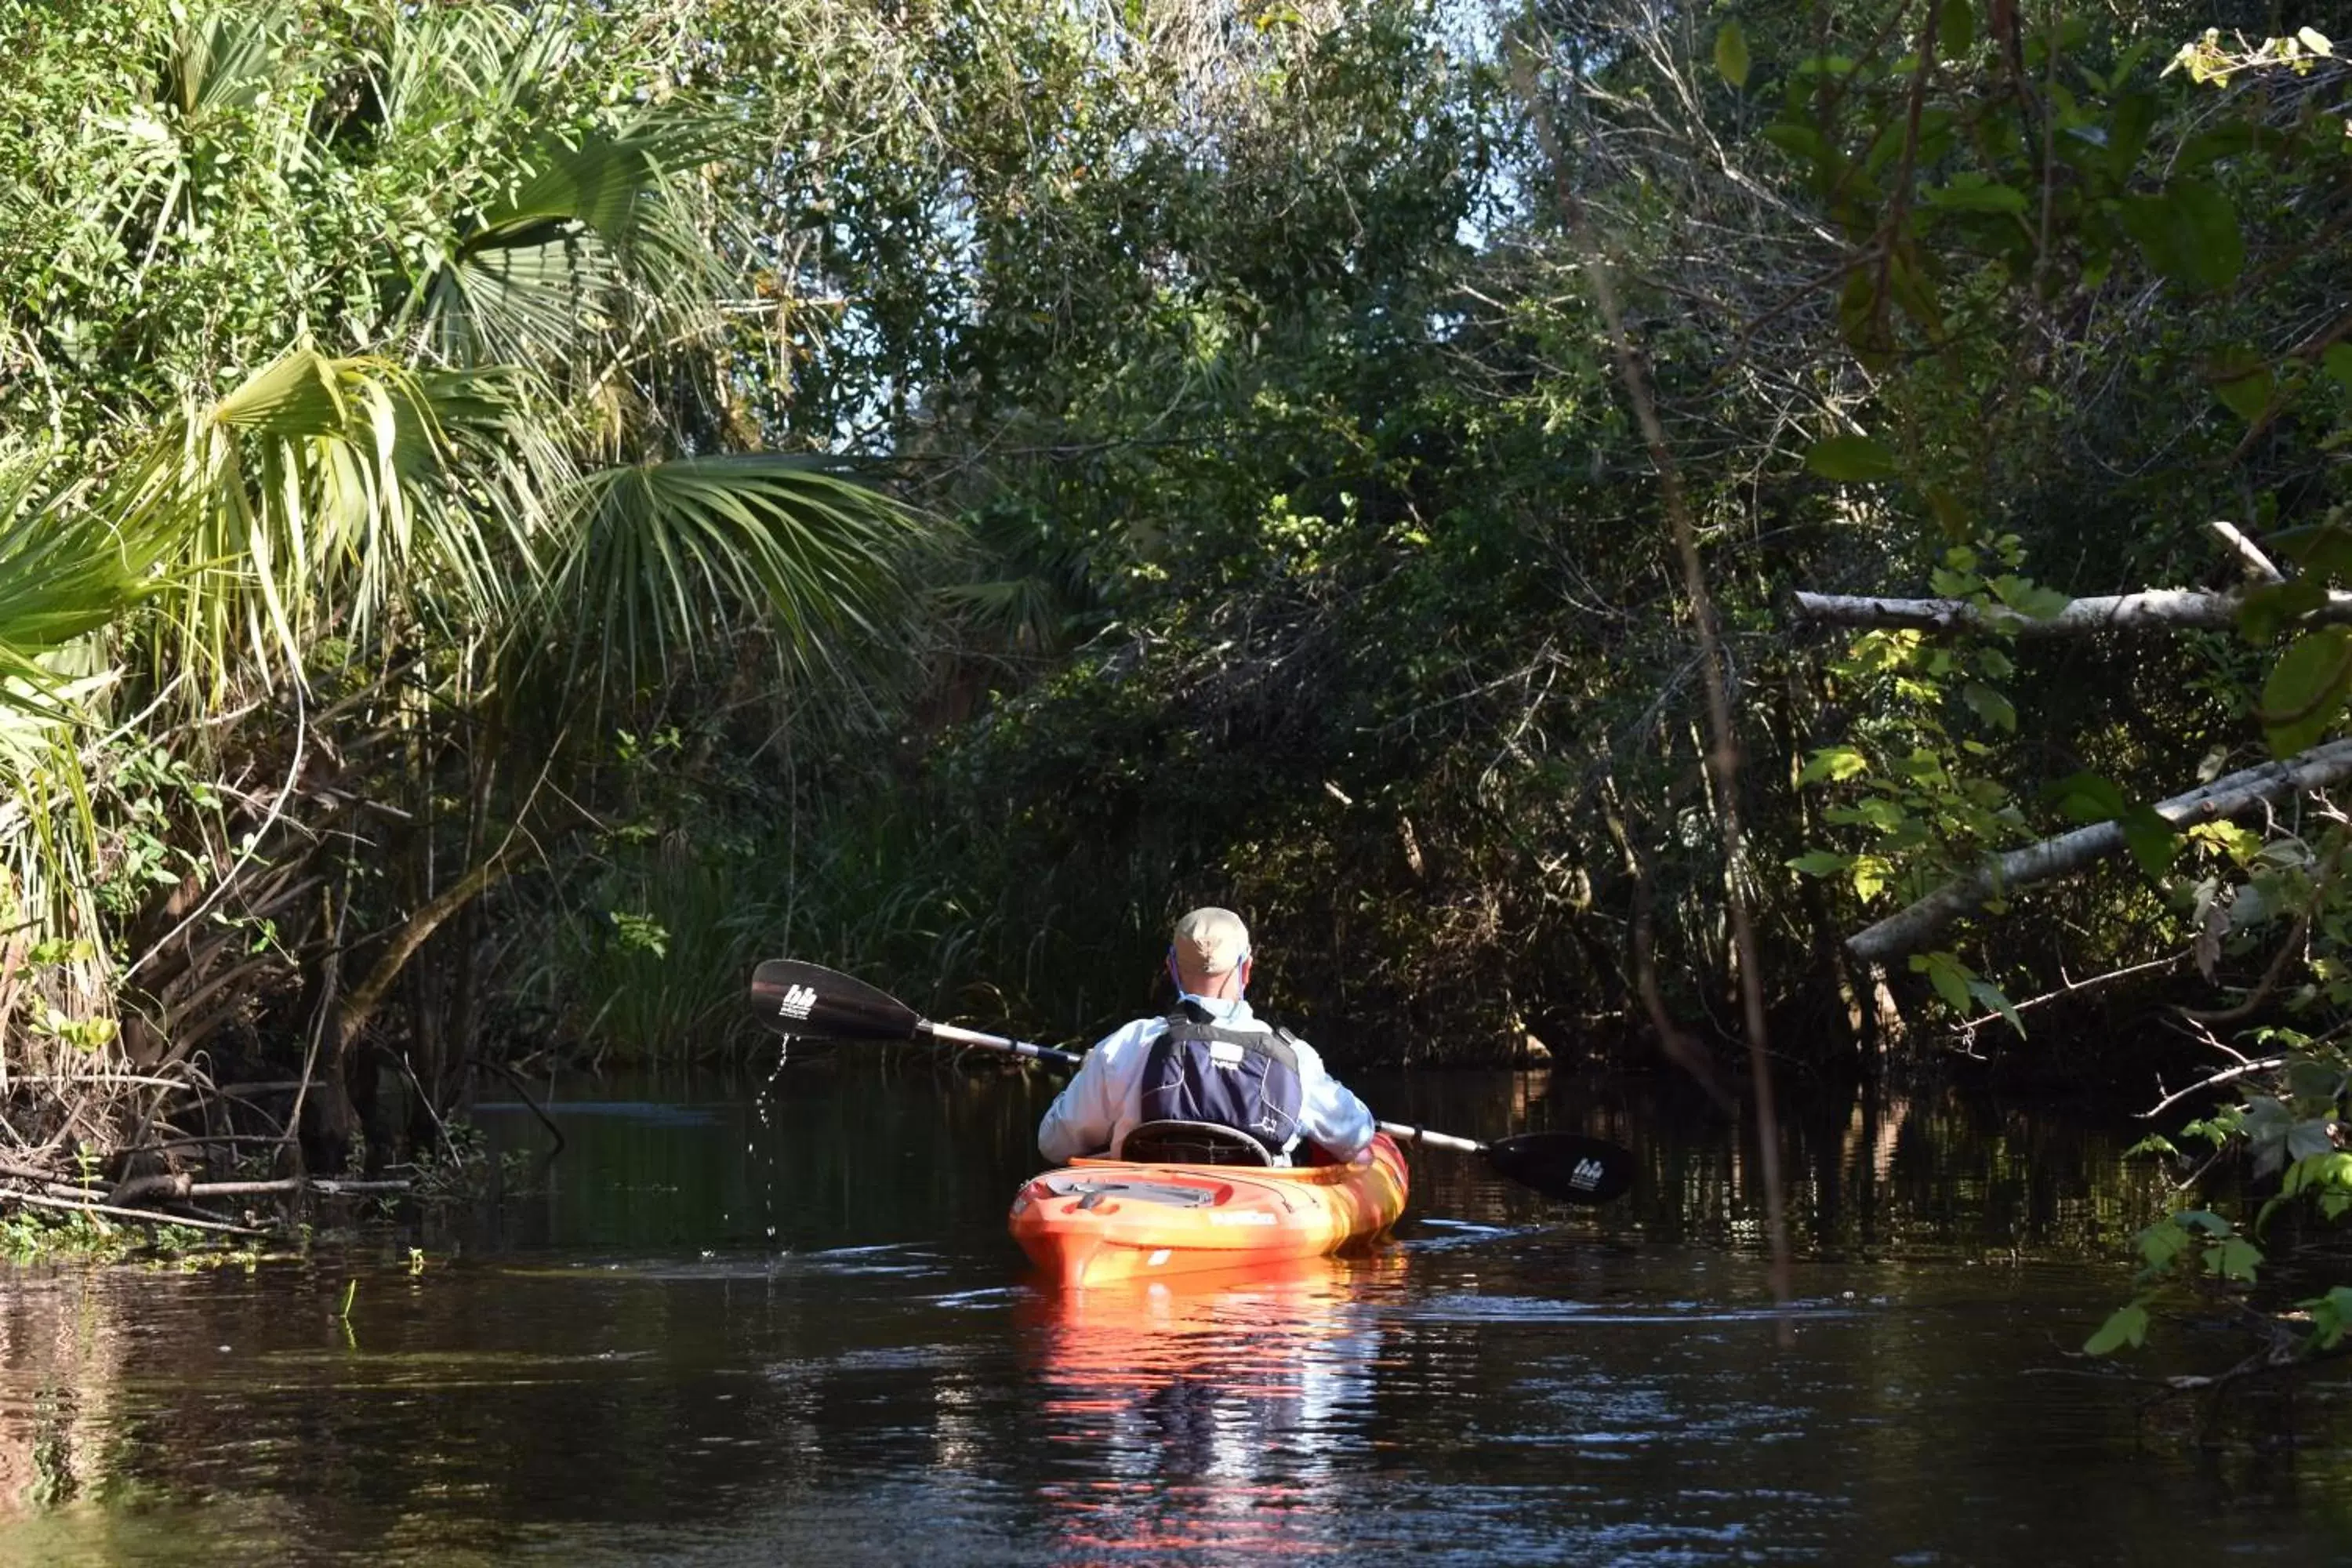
(1209, 1065)
(1205, 1414)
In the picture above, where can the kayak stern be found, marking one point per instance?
(1098, 1222)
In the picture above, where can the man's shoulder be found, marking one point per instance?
(1130, 1033)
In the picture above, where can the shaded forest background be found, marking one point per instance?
(510, 514)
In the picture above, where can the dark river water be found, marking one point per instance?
(779, 1321)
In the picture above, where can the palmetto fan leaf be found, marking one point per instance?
(318, 493)
(65, 570)
(671, 554)
(540, 252)
(536, 273)
(444, 64)
(225, 60)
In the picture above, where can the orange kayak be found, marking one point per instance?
(1098, 1221)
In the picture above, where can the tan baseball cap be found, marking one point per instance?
(1211, 942)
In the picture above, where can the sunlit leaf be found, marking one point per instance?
(1834, 763)
(1821, 863)
(671, 555)
(67, 567)
(1871, 875)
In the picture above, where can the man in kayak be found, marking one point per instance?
(1210, 1060)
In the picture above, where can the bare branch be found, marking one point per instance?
(2070, 987)
(2211, 1080)
(2250, 554)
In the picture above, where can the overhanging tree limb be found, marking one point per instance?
(2226, 796)
(2169, 608)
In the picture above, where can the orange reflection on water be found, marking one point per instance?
(1203, 1415)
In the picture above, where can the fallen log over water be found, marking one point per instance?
(2171, 609)
(1906, 929)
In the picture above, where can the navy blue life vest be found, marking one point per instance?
(1244, 1079)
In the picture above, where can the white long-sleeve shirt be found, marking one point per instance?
(1099, 1107)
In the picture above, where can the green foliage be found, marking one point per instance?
(373, 415)
(1913, 780)
(464, 364)
(49, 1236)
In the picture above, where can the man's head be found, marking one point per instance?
(1210, 953)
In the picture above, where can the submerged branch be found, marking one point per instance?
(145, 1217)
(181, 1184)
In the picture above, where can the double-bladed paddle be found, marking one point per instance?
(795, 998)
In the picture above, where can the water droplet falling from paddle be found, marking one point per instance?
(762, 1107)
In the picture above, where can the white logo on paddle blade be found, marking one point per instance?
(797, 1003)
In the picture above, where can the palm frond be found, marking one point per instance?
(544, 269)
(446, 64)
(226, 59)
(319, 493)
(670, 555)
(65, 572)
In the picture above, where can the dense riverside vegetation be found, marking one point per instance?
(509, 513)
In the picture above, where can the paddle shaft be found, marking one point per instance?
(792, 997)
(948, 1034)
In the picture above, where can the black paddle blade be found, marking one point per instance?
(1564, 1165)
(795, 998)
